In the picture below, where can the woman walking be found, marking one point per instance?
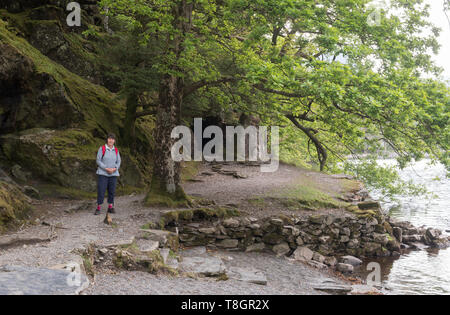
(108, 162)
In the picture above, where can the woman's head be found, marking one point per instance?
(111, 139)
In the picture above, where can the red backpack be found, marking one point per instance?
(104, 151)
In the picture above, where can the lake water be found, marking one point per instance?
(426, 271)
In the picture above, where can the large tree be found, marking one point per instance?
(347, 75)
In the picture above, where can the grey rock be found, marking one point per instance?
(324, 239)
(433, 234)
(247, 275)
(334, 288)
(371, 248)
(231, 223)
(398, 233)
(206, 266)
(147, 246)
(408, 239)
(418, 246)
(317, 265)
(194, 251)
(366, 205)
(382, 239)
(257, 247)
(331, 261)
(125, 242)
(228, 243)
(318, 257)
(209, 230)
(18, 280)
(303, 254)
(316, 219)
(344, 268)
(281, 249)
(350, 260)
(158, 235)
(346, 231)
(353, 243)
(299, 241)
(276, 222)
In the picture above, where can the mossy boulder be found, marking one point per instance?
(31, 99)
(64, 157)
(197, 215)
(53, 121)
(14, 205)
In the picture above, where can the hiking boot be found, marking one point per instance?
(97, 212)
(111, 210)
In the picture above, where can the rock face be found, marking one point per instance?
(52, 121)
(29, 99)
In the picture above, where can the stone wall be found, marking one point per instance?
(366, 234)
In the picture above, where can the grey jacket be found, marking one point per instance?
(110, 160)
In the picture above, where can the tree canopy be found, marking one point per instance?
(342, 76)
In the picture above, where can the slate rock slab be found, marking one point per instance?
(206, 266)
(18, 280)
(247, 275)
(334, 288)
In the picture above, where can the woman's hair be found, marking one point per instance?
(111, 136)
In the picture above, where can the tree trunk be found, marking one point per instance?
(322, 154)
(166, 172)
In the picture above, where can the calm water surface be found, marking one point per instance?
(426, 271)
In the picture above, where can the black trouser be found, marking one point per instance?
(106, 183)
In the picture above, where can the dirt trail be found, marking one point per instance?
(72, 225)
(227, 189)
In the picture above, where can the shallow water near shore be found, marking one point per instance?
(425, 271)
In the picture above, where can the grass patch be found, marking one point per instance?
(305, 196)
(189, 170)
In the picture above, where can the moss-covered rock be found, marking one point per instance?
(53, 121)
(64, 157)
(14, 206)
(197, 215)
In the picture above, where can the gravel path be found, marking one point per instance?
(284, 278)
(227, 189)
(76, 227)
